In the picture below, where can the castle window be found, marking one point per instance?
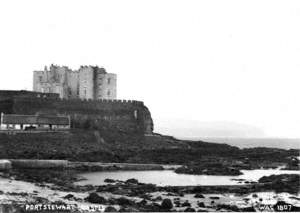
(108, 93)
(40, 78)
(108, 81)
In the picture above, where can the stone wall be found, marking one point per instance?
(10, 94)
(123, 115)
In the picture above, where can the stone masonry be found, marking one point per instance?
(88, 82)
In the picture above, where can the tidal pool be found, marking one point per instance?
(170, 178)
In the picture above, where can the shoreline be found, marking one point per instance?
(132, 195)
(6, 164)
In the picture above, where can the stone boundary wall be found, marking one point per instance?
(124, 115)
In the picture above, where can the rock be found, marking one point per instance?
(153, 207)
(246, 199)
(166, 204)
(132, 181)
(158, 198)
(108, 180)
(248, 209)
(128, 209)
(292, 197)
(123, 201)
(214, 198)
(198, 196)
(41, 200)
(146, 197)
(208, 169)
(142, 202)
(189, 209)
(186, 204)
(68, 196)
(228, 207)
(181, 194)
(201, 204)
(110, 209)
(282, 183)
(254, 195)
(111, 201)
(95, 198)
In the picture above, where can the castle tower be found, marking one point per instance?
(89, 82)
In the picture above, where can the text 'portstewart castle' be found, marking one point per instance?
(88, 82)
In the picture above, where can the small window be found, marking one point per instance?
(108, 93)
(108, 81)
(40, 78)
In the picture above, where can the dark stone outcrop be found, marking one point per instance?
(166, 204)
(189, 209)
(110, 209)
(95, 198)
(282, 183)
(198, 195)
(208, 169)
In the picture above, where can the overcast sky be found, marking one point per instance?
(197, 65)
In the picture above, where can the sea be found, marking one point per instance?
(282, 143)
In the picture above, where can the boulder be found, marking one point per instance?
(198, 195)
(108, 180)
(189, 209)
(201, 205)
(214, 198)
(123, 201)
(166, 204)
(132, 181)
(186, 204)
(95, 198)
(69, 196)
(110, 209)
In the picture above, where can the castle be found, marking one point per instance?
(83, 99)
(88, 82)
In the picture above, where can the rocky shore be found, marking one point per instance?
(22, 188)
(28, 183)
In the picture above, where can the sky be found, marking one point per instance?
(203, 68)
